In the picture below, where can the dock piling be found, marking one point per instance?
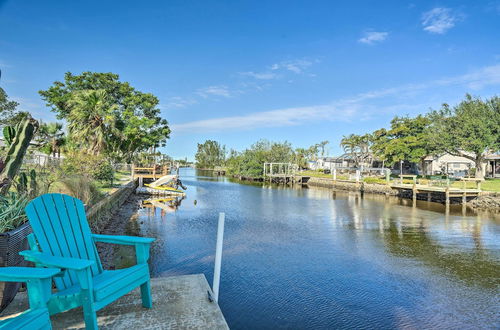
(218, 256)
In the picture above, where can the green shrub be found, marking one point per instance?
(81, 187)
(87, 165)
(104, 172)
(12, 213)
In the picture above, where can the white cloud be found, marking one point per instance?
(296, 66)
(439, 20)
(36, 107)
(177, 102)
(475, 80)
(360, 107)
(260, 75)
(214, 91)
(372, 37)
(4, 64)
(280, 117)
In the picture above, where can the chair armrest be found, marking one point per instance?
(122, 240)
(53, 261)
(142, 244)
(25, 274)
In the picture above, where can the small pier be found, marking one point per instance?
(219, 170)
(179, 302)
(154, 172)
(445, 190)
(285, 173)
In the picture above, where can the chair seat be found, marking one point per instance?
(110, 281)
(30, 319)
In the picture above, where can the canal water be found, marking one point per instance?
(314, 259)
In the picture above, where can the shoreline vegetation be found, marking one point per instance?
(469, 130)
(488, 200)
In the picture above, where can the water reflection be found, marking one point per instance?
(313, 258)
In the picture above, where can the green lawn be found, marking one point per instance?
(491, 185)
(121, 177)
(318, 174)
(487, 185)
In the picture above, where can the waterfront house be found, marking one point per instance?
(447, 164)
(492, 165)
(460, 166)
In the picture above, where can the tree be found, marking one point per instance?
(210, 154)
(9, 115)
(357, 146)
(250, 162)
(322, 146)
(301, 156)
(407, 140)
(52, 138)
(470, 130)
(92, 120)
(136, 116)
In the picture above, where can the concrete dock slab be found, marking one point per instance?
(179, 302)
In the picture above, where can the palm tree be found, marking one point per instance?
(358, 146)
(52, 136)
(92, 120)
(322, 145)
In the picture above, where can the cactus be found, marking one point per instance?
(22, 183)
(9, 133)
(27, 184)
(16, 153)
(33, 183)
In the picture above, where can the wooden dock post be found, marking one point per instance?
(429, 196)
(464, 198)
(334, 174)
(447, 196)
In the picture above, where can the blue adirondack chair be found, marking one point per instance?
(62, 239)
(39, 283)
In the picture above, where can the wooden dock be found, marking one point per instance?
(154, 172)
(285, 173)
(447, 191)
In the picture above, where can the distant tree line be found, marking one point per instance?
(470, 129)
(249, 162)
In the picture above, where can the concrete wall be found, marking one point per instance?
(351, 186)
(98, 214)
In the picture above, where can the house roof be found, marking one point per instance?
(492, 156)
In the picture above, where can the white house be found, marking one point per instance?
(460, 166)
(447, 164)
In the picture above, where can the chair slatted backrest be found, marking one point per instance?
(61, 229)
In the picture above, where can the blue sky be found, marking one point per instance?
(239, 71)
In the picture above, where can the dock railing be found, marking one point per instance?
(154, 172)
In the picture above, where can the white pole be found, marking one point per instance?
(218, 256)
